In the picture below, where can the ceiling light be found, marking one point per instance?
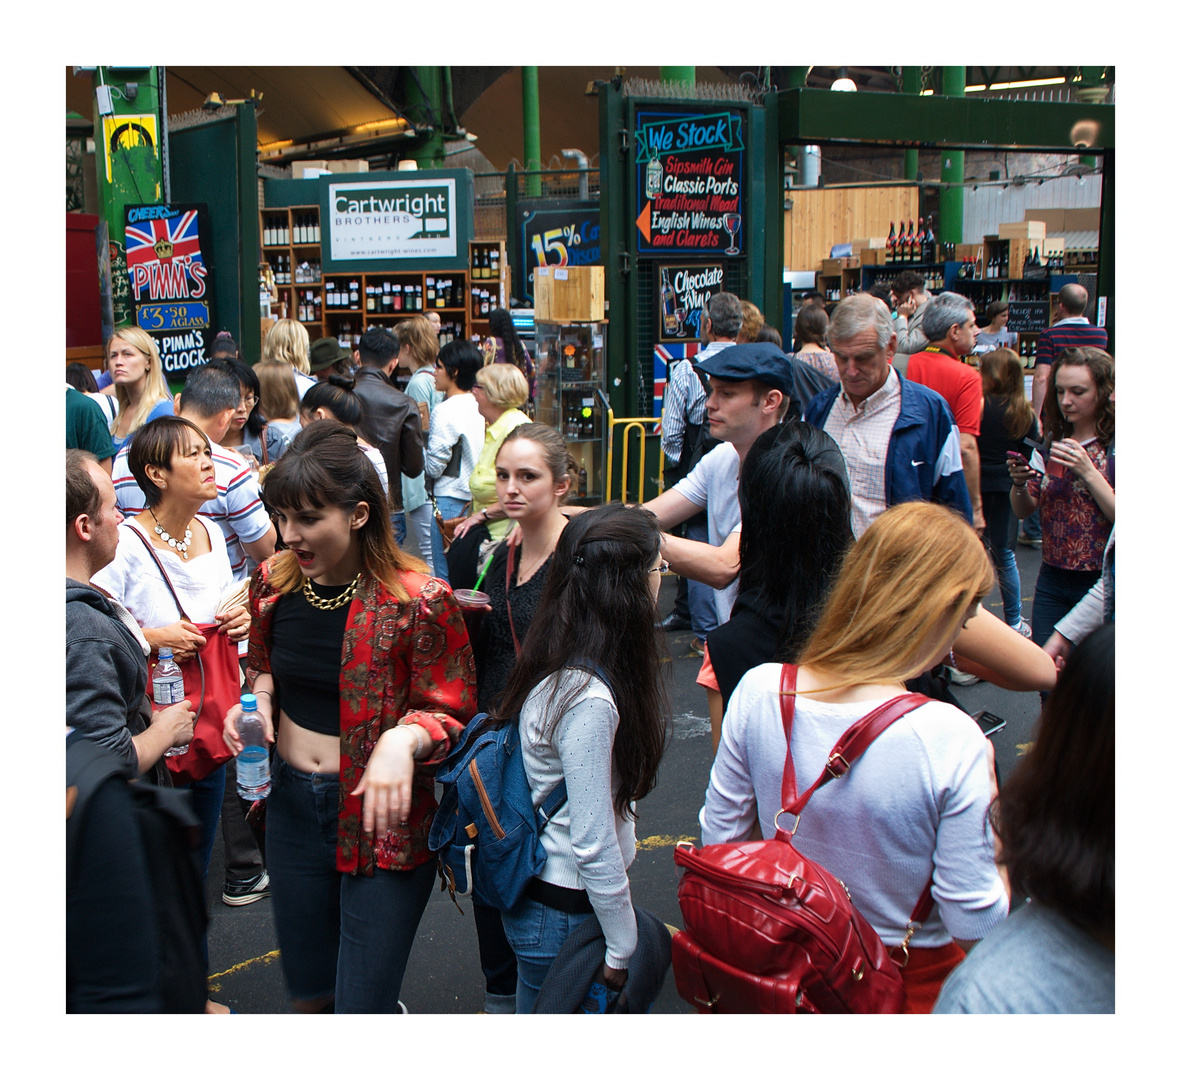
(843, 82)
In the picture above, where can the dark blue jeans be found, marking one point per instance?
(207, 798)
(1056, 593)
(341, 936)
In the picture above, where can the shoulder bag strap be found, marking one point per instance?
(508, 581)
(180, 607)
(163, 573)
(849, 747)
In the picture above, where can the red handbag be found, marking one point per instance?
(213, 683)
(767, 929)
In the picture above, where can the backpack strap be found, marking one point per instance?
(849, 747)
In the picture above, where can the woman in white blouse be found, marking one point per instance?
(913, 808)
(172, 462)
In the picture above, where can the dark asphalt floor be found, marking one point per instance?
(444, 975)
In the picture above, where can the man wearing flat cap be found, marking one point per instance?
(750, 389)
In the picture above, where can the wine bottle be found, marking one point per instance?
(920, 242)
(891, 244)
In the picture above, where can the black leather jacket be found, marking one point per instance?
(392, 424)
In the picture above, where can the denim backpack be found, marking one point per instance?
(486, 832)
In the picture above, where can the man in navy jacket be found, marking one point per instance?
(899, 439)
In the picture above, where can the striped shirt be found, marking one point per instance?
(1072, 333)
(238, 508)
(684, 402)
(863, 434)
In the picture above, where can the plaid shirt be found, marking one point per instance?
(863, 434)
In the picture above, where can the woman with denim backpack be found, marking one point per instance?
(589, 691)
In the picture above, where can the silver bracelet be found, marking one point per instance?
(418, 740)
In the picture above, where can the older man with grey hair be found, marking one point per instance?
(898, 437)
(950, 325)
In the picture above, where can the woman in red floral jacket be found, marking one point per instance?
(365, 661)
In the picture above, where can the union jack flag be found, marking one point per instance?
(662, 358)
(161, 252)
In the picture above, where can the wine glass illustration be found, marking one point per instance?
(731, 223)
(679, 315)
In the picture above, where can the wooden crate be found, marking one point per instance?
(568, 293)
(822, 217)
(1022, 230)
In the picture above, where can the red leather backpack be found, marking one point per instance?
(768, 930)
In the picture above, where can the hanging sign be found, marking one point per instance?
(681, 292)
(392, 219)
(169, 281)
(125, 135)
(689, 184)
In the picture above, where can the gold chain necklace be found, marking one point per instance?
(320, 604)
(181, 546)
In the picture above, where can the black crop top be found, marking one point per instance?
(306, 648)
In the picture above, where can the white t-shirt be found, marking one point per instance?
(713, 485)
(134, 579)
(916, 800)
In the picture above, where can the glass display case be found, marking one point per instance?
(571, 367)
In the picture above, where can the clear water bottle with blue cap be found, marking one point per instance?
(254, 762)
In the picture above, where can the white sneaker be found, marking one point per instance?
(961, 678)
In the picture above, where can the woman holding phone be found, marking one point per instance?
(1076, 492)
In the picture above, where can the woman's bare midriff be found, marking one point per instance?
(307, 751)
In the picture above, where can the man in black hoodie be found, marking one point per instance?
(106, 654)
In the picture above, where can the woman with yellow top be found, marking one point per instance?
(500, 392)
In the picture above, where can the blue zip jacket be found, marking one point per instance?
(923, 460)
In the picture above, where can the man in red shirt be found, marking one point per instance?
(949, 321)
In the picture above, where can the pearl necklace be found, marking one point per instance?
(182, 546)
(320, 604)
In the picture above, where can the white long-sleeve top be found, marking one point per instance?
(588, 846)
(454, 419)
(914, 803)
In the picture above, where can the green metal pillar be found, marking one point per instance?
(425, 109)
(531, 109)
(912, 83)
(798, 76)
(686, 75)
(951, 173)
(129, 167)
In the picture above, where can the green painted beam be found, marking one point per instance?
(249, 241)
(686, 75)
(912, 83)
(798, 76)
(425, 109)
(951, 170)
(531, 110)
(910, 119)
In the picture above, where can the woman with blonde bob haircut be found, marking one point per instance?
(140, 386)
(501, 391)
(913, 809)
(288, 341)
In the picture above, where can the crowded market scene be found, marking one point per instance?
(648, 543)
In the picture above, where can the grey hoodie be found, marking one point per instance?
(106, 677)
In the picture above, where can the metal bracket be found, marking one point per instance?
(625, 256)
(624, 140)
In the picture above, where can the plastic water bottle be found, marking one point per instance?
(168, 688)
(254, 763)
